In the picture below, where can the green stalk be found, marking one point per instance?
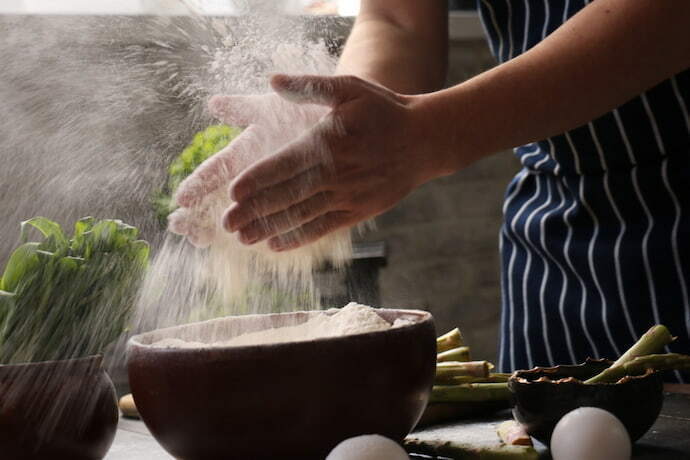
(512, 433)
(460, 379)
(470, 392)
(461, 451)
(449, 340)
(653, 341)
(665, 362)
(641, 364)
(447, 370)
(461, 354)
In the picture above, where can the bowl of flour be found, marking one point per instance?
(290, 385)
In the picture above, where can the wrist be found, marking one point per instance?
(436, 133)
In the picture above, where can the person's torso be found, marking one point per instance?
(596, 237)
(643, 130)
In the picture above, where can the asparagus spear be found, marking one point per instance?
(128, 406)
(460, 354)
(513, 433)
(653, 341)
(470, 392)
(447, 370)
(640, 365)
(449, 340)
(665, 362)
(460, 379)
(460, 451)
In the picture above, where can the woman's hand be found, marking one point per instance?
(270, 122)
(371, 150)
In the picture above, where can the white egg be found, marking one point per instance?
(590, 433)
(368, 447)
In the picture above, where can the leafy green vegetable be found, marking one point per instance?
(22, 261)
(205, 143)
(63, 298)
(51, 230)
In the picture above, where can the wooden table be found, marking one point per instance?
(668, 439)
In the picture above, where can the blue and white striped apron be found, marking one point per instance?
(595, 245)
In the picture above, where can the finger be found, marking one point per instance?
(201, 237)
(219, 169)
(315, 89)
(308, 151)
(312, 231)
(178, 222)
(276, 198)
(181, 222)
(281, 222)
(242, 110)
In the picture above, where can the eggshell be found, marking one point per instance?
(590, 433)
(368, 447)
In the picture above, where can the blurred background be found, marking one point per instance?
(84, 96)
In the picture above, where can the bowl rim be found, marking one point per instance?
(136, 340)
(516, 377)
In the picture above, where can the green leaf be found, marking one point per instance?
(6, 306)
(45, 256)
(6, 299)
(23, 261)
(53, 244)
(129, 231)
(47, 227)
(83, 225)
(70, 263)
(104, 235)
(141, 251)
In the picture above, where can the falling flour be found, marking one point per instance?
(351, 319)
(226, 278)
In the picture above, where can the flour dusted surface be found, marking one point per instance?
(351, 319)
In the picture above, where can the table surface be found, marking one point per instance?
(668, 439)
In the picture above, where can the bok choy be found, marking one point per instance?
(63, 297)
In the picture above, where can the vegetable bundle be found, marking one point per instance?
(205, 143)
(463, 388)
(458, 379)
(66, 297)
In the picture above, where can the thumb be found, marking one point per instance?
(315, 89)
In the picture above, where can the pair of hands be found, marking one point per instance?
(317, 155)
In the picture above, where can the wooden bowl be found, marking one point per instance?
(57, 410)
(539, 405)
(289, 400)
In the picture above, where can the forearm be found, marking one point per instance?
(608, 53)
(405, 51)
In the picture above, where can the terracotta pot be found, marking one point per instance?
(57, 410)
(289, 401)
(539, 405)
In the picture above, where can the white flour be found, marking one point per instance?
(351, 319)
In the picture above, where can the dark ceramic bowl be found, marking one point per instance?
(57, 410)
(539, 405)
(288, 401)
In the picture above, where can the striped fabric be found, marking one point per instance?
(595, 245)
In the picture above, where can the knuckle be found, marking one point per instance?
(350, 80)
(345, 200)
